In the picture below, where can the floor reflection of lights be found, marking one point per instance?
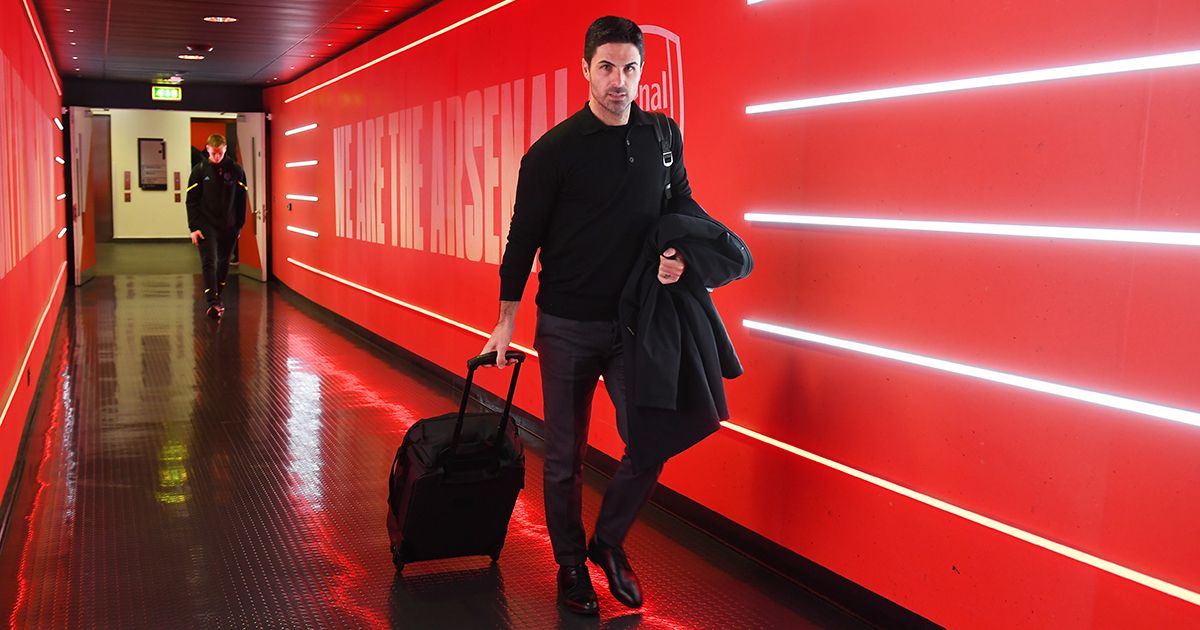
(170, 496)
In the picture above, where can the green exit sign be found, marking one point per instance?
(166, 93)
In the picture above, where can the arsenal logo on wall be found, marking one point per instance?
(662, 86)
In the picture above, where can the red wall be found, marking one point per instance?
(1109, 151)
(32, 257)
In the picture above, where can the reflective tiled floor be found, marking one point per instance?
(188, 474)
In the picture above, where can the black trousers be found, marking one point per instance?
(573, 355)
(215, 248)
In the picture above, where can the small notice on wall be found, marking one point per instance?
(152, 164)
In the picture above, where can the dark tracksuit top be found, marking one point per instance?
(216, 196)
(587, 195)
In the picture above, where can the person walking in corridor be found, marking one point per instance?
(216, 208)
(588, 192)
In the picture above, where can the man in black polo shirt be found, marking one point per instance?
(216, 207)
(588, 192)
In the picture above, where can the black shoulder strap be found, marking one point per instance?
(665, 140)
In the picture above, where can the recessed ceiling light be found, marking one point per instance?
(387, 10)
(312, 55)
(219, 19)
(328, 44)
(75, 58)
(72, 43)
(191, 57)
(293, 67)
(70, 30)
(358, 27)
(77, 70)
(68, 10)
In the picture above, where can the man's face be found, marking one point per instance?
(216, 154)
(614, 74)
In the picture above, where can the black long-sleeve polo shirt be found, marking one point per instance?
(216, 196)
(587, 195)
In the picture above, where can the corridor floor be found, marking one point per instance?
(183, 473)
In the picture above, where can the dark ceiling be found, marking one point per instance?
(273, 41)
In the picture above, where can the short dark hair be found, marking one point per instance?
(612, 30)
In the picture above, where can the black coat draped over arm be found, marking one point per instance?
(676, 348)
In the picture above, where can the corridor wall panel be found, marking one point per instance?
(32, 250)
(969, 337)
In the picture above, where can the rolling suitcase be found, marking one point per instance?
(455, 480)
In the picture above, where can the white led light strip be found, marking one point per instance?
(45, 53)
(494, 7)
(62, 233)
(442, 318)
(12, 394)
(308, 127)
(303, 163)
(60, 197)
(303, 231)
(1157, 237)
(302, 197)
(59, 160)
(1020, 534)
(1182, 416)
(1153, 62)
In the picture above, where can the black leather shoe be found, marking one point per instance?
(622, 581)
(575, 592)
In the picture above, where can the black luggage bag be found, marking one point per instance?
(455, 480)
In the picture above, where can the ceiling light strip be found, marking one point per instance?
(61, 197)
(308, 127)
(1152, 62)
(302, 197)
(1182, 416)
(1070, 552)
(1155, 237)
(442, 318)
(292, 228)
(299, 164)
(12, 394)
(59, 160)
(494, 7)
(62, 233)
(37, 32)
(58, 123)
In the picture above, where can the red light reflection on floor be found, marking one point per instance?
(62, 366)
(342, 376)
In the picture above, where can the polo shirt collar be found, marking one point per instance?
(589, 124)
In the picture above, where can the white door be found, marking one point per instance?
(252, 245)
(84, 218)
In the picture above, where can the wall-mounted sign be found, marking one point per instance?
(166, 93)
(152, 164)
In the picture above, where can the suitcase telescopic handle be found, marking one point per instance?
(489, 358)
(472, 365)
